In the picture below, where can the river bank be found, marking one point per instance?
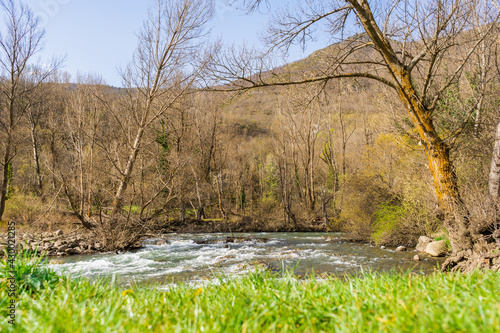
(81, 241)
(244, 224)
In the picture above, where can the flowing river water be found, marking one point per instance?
(195, 258)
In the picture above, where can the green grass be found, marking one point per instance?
(31, 272)
(261, 302)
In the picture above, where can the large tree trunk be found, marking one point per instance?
(494, 176)
(5, 177)
(456, 217)
(437, 151)
(36, 159)
(494, 180)
(118, 200)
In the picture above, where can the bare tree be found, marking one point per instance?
(21, 41)
(419, 49)
(159, 74)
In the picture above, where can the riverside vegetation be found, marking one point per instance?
(396, 302)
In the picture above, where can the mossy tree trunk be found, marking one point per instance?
(437, 151)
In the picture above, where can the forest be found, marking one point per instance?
(390, 133)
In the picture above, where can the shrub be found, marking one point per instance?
(31, 272)
(397, 224)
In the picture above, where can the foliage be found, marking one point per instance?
(31, 272)
(397, 224)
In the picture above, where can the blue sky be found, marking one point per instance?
(99, 36)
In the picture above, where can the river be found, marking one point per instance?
(196, 258)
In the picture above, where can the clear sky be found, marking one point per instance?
(99, 36)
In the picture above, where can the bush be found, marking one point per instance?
(402, 224)
(31, 272)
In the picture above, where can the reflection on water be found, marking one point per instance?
(183, 259)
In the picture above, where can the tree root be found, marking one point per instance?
(469, 260)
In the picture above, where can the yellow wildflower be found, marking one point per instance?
(126, 292)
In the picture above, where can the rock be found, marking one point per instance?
(496, 236)
(329, 239)
(57, 262)
(437, 249)
(423, 241)
(75, 250)
(161, 242)
(382, 247)
(62, 248)
(416, 258)
(401, 248)
(58, 244)
(59, 232)
(97, 246)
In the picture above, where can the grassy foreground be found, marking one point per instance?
(262, 302)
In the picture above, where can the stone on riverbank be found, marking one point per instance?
(401, 248)
(423, 241)
(437, 249)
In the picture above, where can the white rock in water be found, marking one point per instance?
(401, 248)
(382, 247)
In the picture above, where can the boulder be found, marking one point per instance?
(75, 250)
(59, 232)
(58, 244)
(62, 248)
(97, 246)
(416, 257)
(72, 244)
(382, 247)
(437, 249)
(161, 242)
(423, 241)
(401, 248)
